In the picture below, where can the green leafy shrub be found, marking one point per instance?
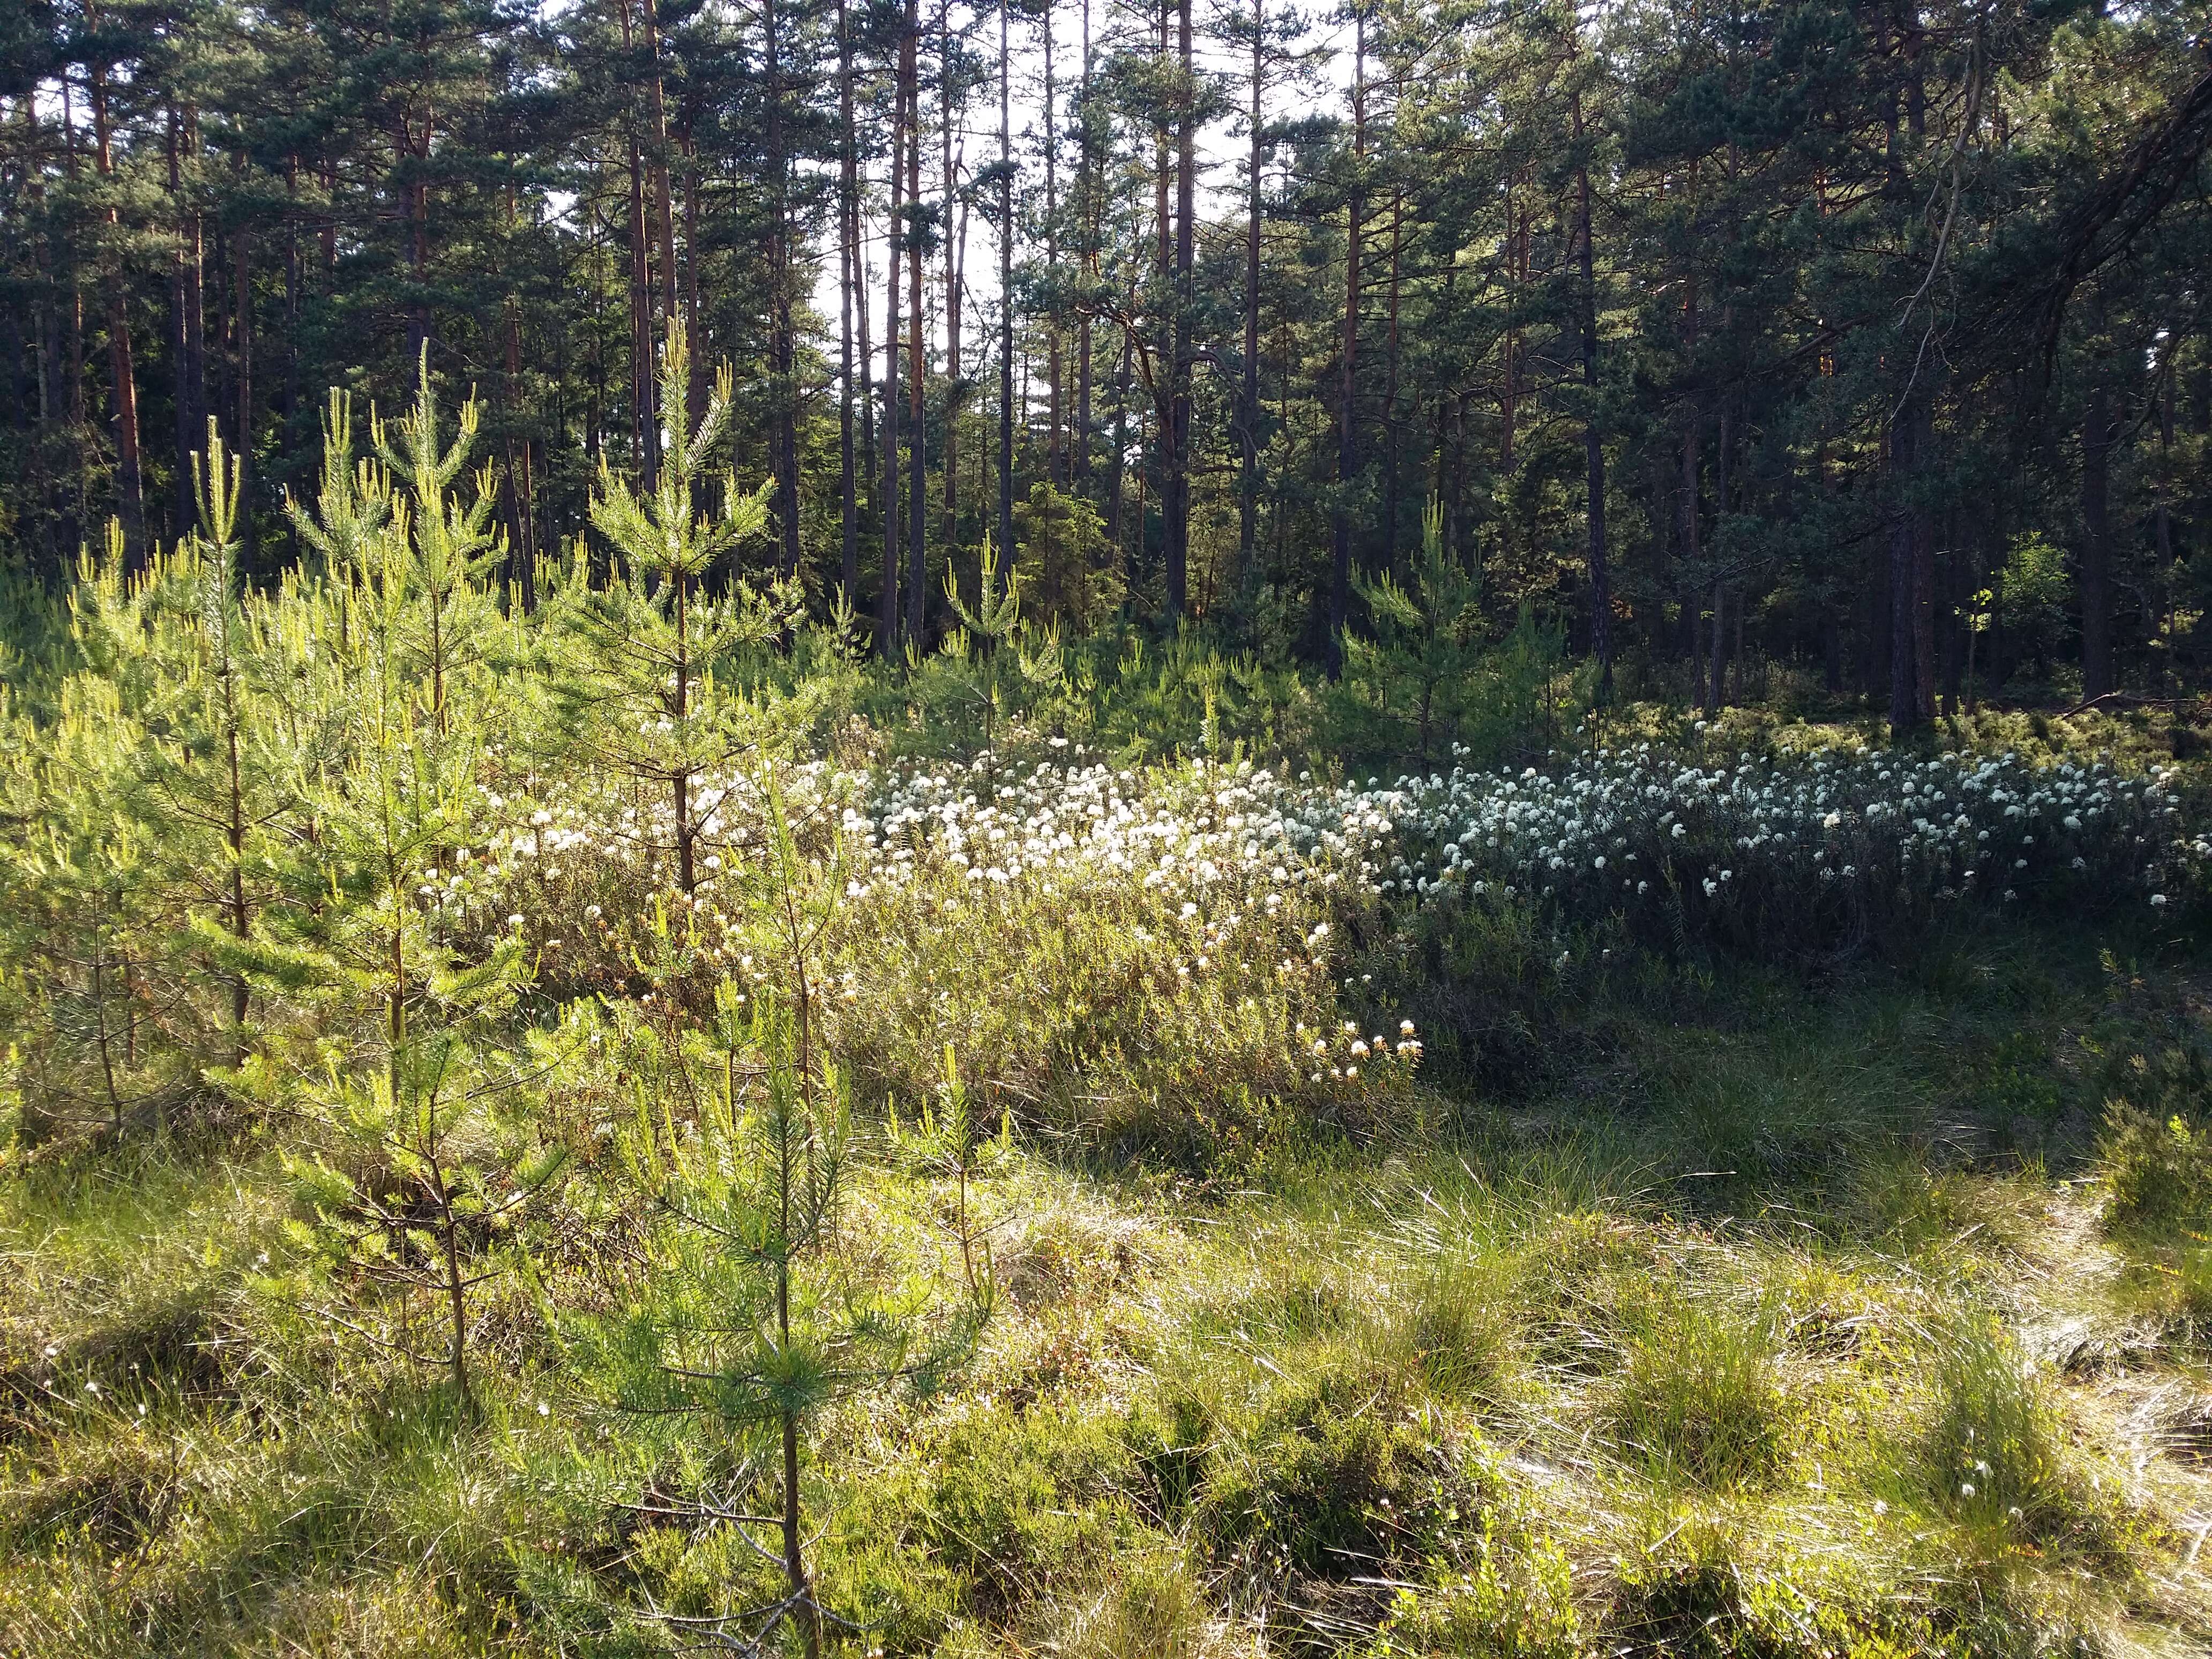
(2157, 1146)
(2160, 1172)
(1513, 1599)
(1016, 1503)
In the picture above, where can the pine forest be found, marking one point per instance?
(1112, 829)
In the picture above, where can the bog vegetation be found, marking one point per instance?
(592, 1116)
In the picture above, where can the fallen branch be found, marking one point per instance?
(2131, 700)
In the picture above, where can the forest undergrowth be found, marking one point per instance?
(596, 1121)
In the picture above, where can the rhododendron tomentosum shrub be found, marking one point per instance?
(1812, 850)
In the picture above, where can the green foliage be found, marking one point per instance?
(993, 624)
(2034, 591)
(954, 1140)
(1994, 1456)
(2160, 1171)
(1515, 1600)
(1012, 1198)
(1430, 684)
(1064, 561)
(649, 667)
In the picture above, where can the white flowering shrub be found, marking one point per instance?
(1130, 958)
(1144, 957)
(1812, 850)
(1167, 955)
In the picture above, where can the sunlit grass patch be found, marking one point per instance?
(1993, 1455)
(1152, 1604)
(1698, 1396)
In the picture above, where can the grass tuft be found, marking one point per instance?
(1698, 1398)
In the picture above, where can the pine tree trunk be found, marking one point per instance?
(184, 302)
(887, 616)
(848, 535)
(785, 415)
(1923, 563)
(286, 428)
(917, 446)
(241, 258)
(663, 198)
(697, 378)
(2098, 436)
(1248, 402)
(1005, 537)
(419, 249)
(1054, 471)
(1390, 509)
(1176, 504)
(949, 532)
(1117, 467)
(1158, 368)
(1347, 441)
(645, 426)
(522, 505)
(1088, 214)
(1723, 459)
(1693, 441)
(122, 381)
(1904, 680)
(1600, 576)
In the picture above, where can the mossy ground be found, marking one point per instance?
(1771, 1316)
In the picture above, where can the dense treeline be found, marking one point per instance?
(1860, 337)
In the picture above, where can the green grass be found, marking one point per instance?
(1694, 1345)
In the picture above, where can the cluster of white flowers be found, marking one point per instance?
(1229, 846)
(1195, 832)
(1611, 827)
(1607, 826)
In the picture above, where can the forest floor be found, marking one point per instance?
(1759, 1311)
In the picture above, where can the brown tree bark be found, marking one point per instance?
(949, 531)
(1005, 537)
(848, 534)
(1390, 506)
(1054, 470)
(1347, 437)
(1248, 401)
(185, 301)
(241, 260)
(1601, 574)
(784, 417)
(917, 551)
(696, 375)
(2100, 434)
(1089, 211)
(122, 379)
(887, 613)
(1175, 504)
(645, 426)
(1904, 710)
